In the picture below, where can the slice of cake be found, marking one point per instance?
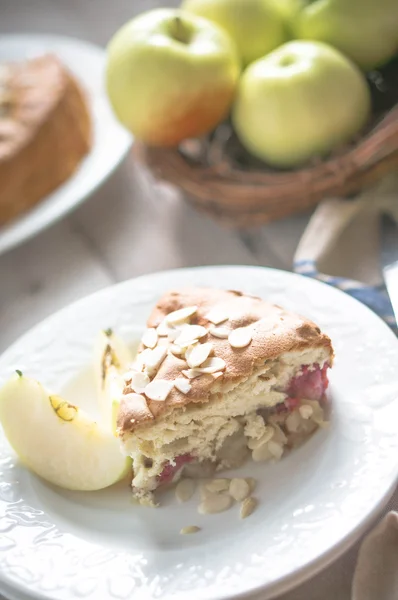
(45, 131)
(219, 376)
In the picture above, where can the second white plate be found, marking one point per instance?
(111, 142)
(312, 504)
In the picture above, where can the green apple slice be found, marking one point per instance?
(112, 359)
(57, 440)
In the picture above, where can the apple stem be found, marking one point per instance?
(179, 31)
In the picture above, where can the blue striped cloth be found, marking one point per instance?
(376, 298)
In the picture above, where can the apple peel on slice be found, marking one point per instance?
(112, 358)
(57, 440)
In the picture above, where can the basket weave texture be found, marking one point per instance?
(218, 177)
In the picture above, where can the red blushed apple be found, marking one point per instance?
(171, 76)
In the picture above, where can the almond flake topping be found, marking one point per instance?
(220, 332)
(159, 389)
(182, 385)
(191, 373)
(240, 338)
(190, 333)
(139, 381)
(181, 315)
(150, 360)
(217, 375)
(217, 315)
(163, 330)
(176, 350)
(212, 365)
(196, 355)
(150, 338)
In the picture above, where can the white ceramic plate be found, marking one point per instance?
(313, 504)
(110, 145)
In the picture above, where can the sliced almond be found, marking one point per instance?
(152, 359)
(219, 332)
(275, 449)
(217, 315)
(128, 376)
(218, 485)
(266, 437)
(212, 365)
(261, 454)
(240, 337)
(217, 375)
(182, 385)
(139, 381)
(159, 389)
(279, 435)
(196, 355)
(184, 345)
(215, 503)
(293, 421)
(173, 334)
(191, 373)
(306, 411)
(163, 329)
(181, 315)
(248, 506)
(189, 333)
(189, 530)
(239, 489)
(185, 490)
(150, 338)
(252, 483)
(176, 350)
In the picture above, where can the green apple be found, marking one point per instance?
(254, 25)
(171, 75)
(364, 30)
(112, 359)
(298, 102)
(57, 440)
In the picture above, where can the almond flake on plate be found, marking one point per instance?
(217, 315)
(196, 355)
(212, 365)
(139, 381)
(150, 338)
(240, 338)
(220, 332)
(158, 389)
(181, 315)
(190, 333)
(182, 385)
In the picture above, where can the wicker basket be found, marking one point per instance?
(220, 178)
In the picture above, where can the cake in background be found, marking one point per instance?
(45, 131)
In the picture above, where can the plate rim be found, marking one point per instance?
(18, 239)
(291, 580)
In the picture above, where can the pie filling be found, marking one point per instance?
(275, 409)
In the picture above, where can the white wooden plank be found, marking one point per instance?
(140, 227)
(44, 275)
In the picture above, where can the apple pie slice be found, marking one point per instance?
(219, 376)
